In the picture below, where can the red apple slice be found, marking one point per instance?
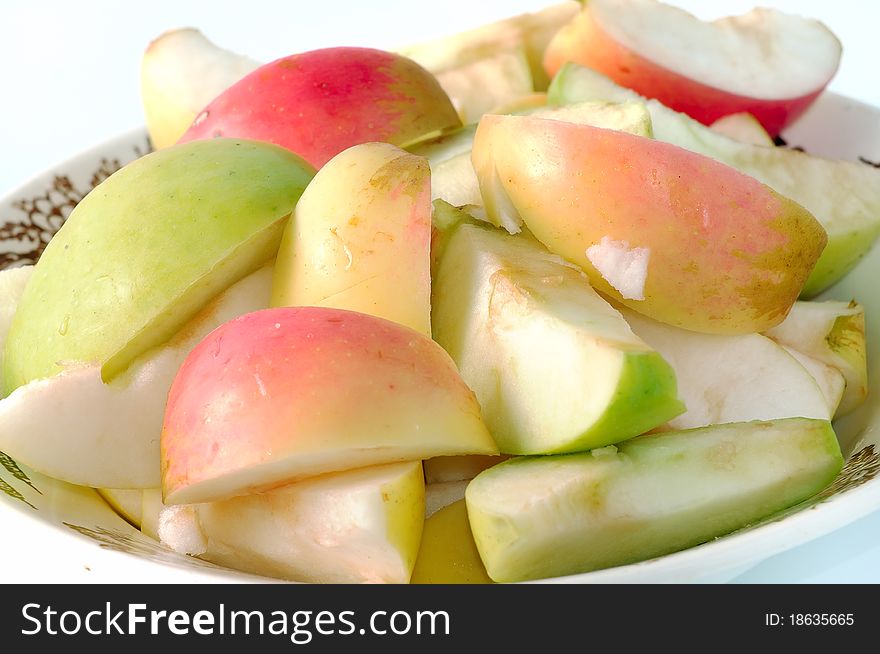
(284, 394)
(766, 63)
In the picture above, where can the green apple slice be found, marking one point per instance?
(352, 527)
(537, 517)
(732, 378)
(12, 283)
(832, 332)
(147, 249)
(554, 366)
(844, 196)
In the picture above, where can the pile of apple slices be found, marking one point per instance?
(327, 332)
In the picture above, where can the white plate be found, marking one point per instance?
(53, 531)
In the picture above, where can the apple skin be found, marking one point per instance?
(585, 42)
(360, 238)
(146, 250)
(321, 102)
(288, 393)
(718, 251)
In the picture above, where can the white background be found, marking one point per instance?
(69, 79)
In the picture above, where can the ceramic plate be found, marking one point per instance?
(56, 532)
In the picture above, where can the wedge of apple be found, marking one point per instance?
(304, 391)
(844, 196)
(74, 427)
(12, 283)
(830, 381)
(448, 554)
(672, 234)
(555, 368)
(442, 494)
(127, 502)
(443, 469)
(360, 238)
(530, 32)
(361, 526)
(766, 63)
(181, 72)
(743, 127)
(537, 517)
(733, 378)
(322, 102)
(832, 332)
(146, 250)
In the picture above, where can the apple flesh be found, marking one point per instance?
(448, 554)
(127, 502)
(743, 127)
(844, 196)
(12, 283)
(555, 368)
(181, 72)
(146, 250)
(361, 526)
(732, 378)
(672, 234)
(58, 425)
(769, 64)
(322, 102)
(360, 238)
(288, 393)
(833, 333)
(537, 517)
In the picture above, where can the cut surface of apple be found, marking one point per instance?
(832, 332)
(555, 368)
(321, 102)
(743, 127)
(288, 393)
(766, 63)
(181, 72)
(127, 502)
(74, 427)
(670, 233)
(732, 378)
(531, 32)
(537, 517)
(844, 196)
(442, 494)
(360, 238)
(12, 283)
(447, 554)
(441, 469)
(360, 526)
(146, 250)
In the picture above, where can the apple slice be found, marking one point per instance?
(284, 394)
(844, 196)
(322, 102)
(555, 368)
(743, 127)
(127, 502)
(361, 526)
(442, 469)
(360, 238)
(12, 283)
(537, 517)
(732, 378)
(443, 494)
(151, 510)
(448, 554)
(74, 427)
(531, 32)
(830, 381)
(766, 63)
(146, 250)
(670, 233)
(832, 332)
(181, 72)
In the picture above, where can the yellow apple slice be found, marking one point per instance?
(448, 554)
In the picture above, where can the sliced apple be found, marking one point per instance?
(146, 250)
(127, 502)
(733, 378)
(767, 63)
(832, 332)
(448, 554)
(151, 511)
(360, 238)
(531, 32)
(555, 368)
(12, 283)
(743, 127)
(181, 72)
(844, 196)
(443, 494)
(458, 468)
(74, 427)
(830, 381)
(322, 102)
(283, 394)
(670, 233)
(537, 517)
(361, 526)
